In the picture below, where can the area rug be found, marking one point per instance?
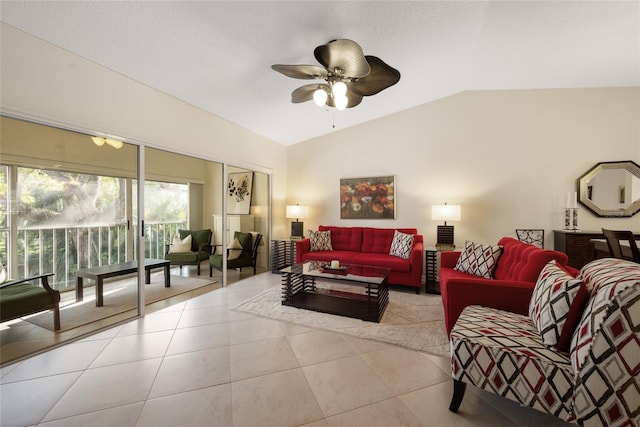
(119, 296)
(412, 321)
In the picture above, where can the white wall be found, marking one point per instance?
(44, 83)
(508, 157)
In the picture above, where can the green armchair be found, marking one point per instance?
(250, 243)
(199, 251)
(20, 298)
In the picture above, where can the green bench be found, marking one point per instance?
(21, 297)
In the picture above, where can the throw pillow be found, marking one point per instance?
(3, 274)
(556, 305)
(401, 245)
(478, 259)
(320, 240)
(235, 250)
(180, 245)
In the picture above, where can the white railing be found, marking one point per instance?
(63, 250)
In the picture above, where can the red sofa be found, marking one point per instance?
(369, 246)
(511, 288)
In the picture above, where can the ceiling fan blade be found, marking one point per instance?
(381, 77)
(309, 72)
(305, 93)
(344, 54)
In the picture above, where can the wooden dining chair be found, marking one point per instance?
(614, 237)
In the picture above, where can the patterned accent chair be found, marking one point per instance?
(595, 383)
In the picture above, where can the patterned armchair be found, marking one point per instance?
(595, 383)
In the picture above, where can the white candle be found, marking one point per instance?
(335, 264)
(575, 200)
(568, 202)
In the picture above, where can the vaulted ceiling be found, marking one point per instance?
(217, 55)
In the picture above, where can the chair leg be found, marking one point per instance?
(210, 270)
(458, 393)
(56, 318)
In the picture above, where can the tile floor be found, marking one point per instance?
(199, 363)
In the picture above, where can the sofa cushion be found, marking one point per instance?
(478, 259)
(523, 262)
(401, 245)
(378, 240)
(382, 260)
(345, 257)
(556, 305)
(320, 240)
(344, 238)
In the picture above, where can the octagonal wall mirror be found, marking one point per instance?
(611, 189)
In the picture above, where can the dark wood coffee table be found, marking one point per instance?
(362, 294)
(98, 274)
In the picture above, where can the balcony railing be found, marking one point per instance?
(64, 250)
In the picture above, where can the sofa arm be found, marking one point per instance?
(459, 293)
(448, 259)
(302, 247)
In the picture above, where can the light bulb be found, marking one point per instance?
(98, 140)
(320, 97)
(341, 102)
(339, 89)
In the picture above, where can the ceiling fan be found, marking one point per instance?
(348, 73)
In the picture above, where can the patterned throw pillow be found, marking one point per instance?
(180, 246)
(401, 245)
(478, 259)
(320, 240)
(556, 305)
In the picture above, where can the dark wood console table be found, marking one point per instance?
(577, 245)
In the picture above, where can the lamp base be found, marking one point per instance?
(297, 230)
(445, 235)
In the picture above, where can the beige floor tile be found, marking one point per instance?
(199, 338)
(366, 346)
(69, 358)
(154, 322)
(253, 330)
(293, 329)
(107, 387)
(281, 399)
(344, 384)
(203, 316)
(25, 403)
(134, 347)
(404, 370)
(190, 371)
(320, 346)
(204, 407)
(431, 405)
(219, 298)
(261, 357)
(391, 412)
(121, 416)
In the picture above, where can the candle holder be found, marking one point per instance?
(567, 219)
(575, 218)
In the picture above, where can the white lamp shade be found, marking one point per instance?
(98, 140)
(339, 89)
(341, 102)
(296, 211)
(445, 212)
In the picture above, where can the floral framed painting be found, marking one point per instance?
(239, 189)
(368, 198)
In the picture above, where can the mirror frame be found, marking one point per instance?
(631, 210)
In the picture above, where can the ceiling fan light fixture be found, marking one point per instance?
(341, 102)
(320, 97)
(339, 89)
(115, 143)
(98, 140)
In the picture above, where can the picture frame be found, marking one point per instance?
(368, 198)
(239, 192)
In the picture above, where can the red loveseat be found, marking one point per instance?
(369, 246)
(517, 271)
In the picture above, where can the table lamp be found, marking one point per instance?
(297, 227)
(445, 232)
